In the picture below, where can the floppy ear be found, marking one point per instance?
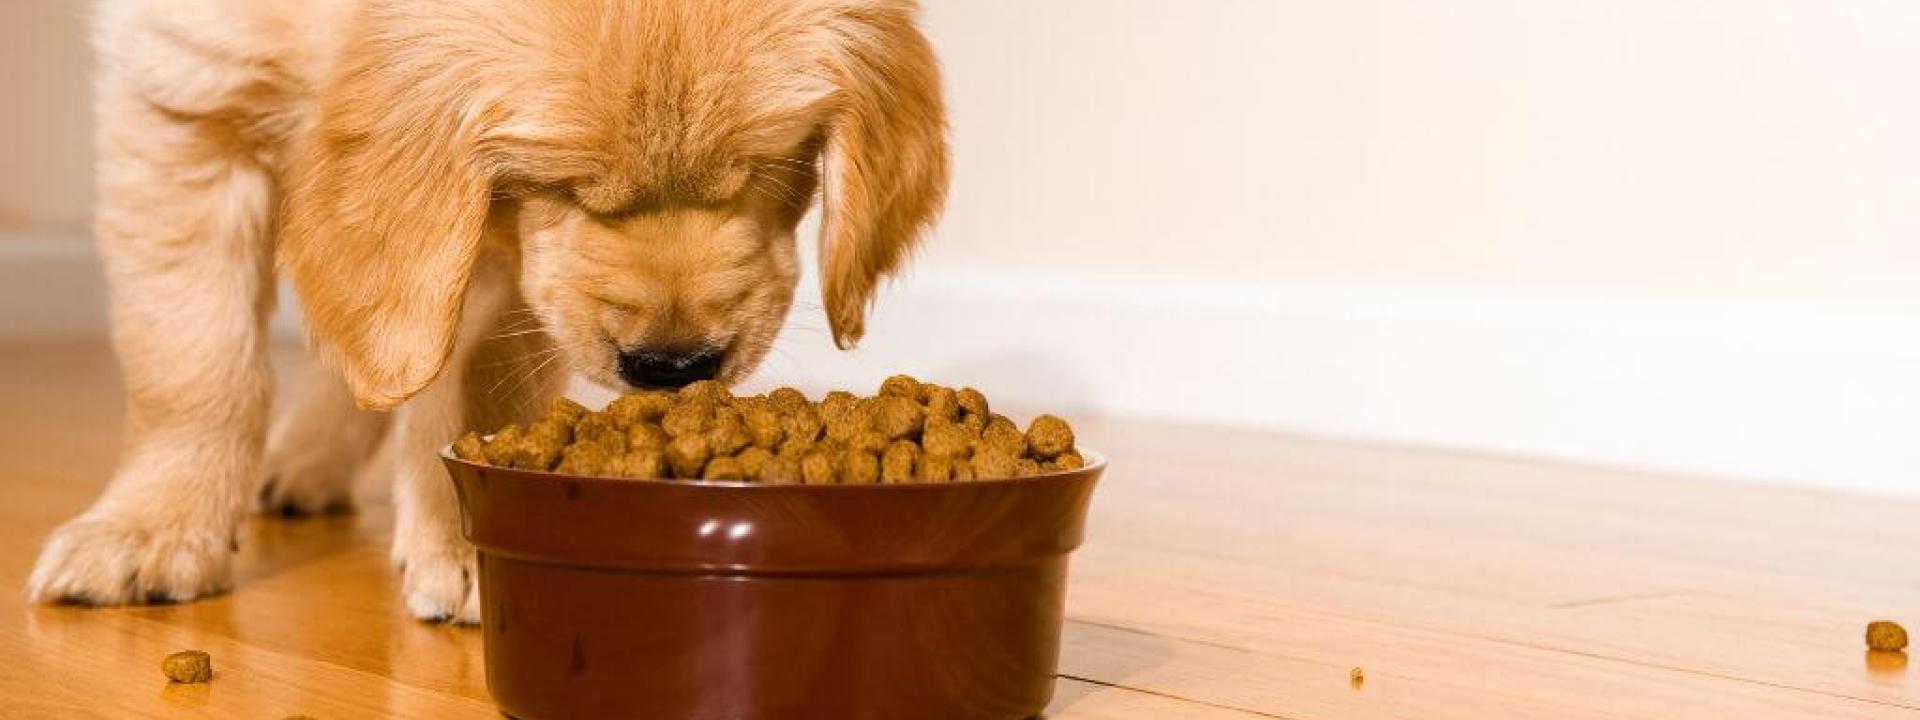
(885, 158)
(383, 218)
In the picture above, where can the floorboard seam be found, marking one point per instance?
(1511, 643)
(1171, 696)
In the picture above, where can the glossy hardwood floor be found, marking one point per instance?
(1227, 575)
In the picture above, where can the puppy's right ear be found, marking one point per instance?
(383, 216)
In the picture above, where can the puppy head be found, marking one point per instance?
(663, 296)
(652, 162)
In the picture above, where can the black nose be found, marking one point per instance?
(650, 367)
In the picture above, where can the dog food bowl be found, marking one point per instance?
(606, 598)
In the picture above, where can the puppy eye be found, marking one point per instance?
(721, 304)
(622, 305)
(608, 204)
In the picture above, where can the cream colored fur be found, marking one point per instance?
(472, 199)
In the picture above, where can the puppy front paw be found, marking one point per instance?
(439, 580)
(114, 560)
(294, 489)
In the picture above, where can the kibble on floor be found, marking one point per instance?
(188, 666)
(1886, 636)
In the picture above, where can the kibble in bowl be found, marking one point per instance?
(704, 432)
(698, 554)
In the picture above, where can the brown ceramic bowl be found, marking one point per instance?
(604, 598)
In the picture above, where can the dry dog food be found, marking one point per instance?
(910, 432)
(1886, 636)
(188, 666)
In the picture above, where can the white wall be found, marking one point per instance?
(1681, 234)
(46, 183)
(1633, 147)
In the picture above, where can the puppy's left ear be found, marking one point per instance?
(383, 218)
(885, 158)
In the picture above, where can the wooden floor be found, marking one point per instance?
(1227, 575)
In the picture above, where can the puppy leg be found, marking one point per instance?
(317, 447)
(490, 381)
(438, 579)
(183, 230)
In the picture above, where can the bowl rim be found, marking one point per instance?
(1096, 462)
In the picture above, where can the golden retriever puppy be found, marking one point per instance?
(472, 199)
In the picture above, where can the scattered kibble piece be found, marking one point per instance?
(1357, 677)
(1886, 636)
(188, 666)
(910, 431)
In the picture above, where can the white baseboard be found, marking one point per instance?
(1818, 395)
